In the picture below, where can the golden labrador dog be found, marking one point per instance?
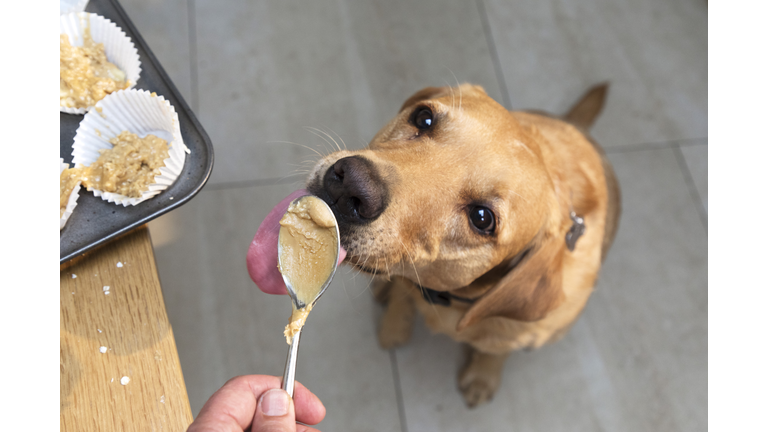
(492, 224)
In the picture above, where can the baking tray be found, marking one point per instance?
(95, 221)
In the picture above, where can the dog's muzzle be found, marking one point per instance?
(353, 189)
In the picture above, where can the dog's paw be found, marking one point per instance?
(478, 383)
(394, 329)
(477, 392)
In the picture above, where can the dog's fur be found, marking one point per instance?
(531, 169)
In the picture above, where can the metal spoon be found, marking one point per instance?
(289, 374)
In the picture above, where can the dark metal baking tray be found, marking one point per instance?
(95, 221)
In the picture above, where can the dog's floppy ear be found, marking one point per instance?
(529, 291)
(423, 94)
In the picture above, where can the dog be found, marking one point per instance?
(492, 224)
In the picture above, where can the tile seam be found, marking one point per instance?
(657, 145)
(398, 391)
(494, 54)
(270, 181)
(691, 185)
(192, 24)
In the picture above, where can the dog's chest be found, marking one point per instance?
(490, 335)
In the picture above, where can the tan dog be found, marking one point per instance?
(465, 209)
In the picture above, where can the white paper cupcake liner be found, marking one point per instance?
(117, 45)
(72, 203)
(138, 112)
(69, 6)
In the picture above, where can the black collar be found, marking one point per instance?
(443, 298)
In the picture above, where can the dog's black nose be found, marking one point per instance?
(356, 189)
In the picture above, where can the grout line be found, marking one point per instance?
(271, 181)
(494, 54)
(692, 188)
(192, 23)
(398, 390)
(656, 145)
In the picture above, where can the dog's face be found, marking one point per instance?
(450, 189)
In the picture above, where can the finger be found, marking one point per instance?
(304, 428)
(309, 408)
(274, 413)
(232, 407)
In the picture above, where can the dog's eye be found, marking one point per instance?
(482, 219)
(423, 118)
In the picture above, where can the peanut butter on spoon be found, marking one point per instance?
(308, 252)
(307, 255)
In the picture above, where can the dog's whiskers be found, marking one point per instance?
(364, 262)
(370, 280)
(458, 86)
(340, 139)
(303, 164)
(453, 96)
(418, 280)
(389, 275)
(317, 132)
(358, 267)
(309, 129)
(307, 164)
(300, 145)
(297, 171)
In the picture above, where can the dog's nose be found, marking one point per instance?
(355, 187)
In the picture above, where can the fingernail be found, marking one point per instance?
(275, 402)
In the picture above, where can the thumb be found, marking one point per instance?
(274, 413)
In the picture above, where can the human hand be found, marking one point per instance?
(256, 403)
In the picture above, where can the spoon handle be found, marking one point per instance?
(289, 374)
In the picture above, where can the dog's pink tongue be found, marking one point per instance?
(262, 254)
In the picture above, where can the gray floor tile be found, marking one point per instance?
(696, 162)
(635, 361)
(654, 53)
(268, 70)
(548, 390)
(649, 317)
(225, 326)
(164, 26)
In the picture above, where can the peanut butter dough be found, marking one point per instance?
(309, 247)
(69, 179)
(85, 74)
(128, 168)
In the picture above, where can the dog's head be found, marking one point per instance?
(452, 192)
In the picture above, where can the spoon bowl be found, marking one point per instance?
(289, 374)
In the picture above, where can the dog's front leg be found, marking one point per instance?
(397, 322)
(481, 376)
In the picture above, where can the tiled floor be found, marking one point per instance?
(258, 74)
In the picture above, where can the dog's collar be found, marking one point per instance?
(443, 298)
